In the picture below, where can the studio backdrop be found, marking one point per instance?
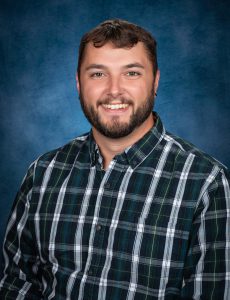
(39, 105)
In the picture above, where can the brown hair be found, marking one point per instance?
(122, 34)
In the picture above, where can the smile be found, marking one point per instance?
(115, 106)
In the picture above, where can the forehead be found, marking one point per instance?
(111, 55)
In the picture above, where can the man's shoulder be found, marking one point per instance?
(70, 149)
(186, 148)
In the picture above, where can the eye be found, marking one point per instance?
(97, 75)
(133, 74)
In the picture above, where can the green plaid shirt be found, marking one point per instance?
(154, 225)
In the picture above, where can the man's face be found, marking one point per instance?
(116, 88)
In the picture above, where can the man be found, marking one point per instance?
(127, 211)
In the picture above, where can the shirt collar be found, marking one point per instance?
(135, 154)
(140, 150)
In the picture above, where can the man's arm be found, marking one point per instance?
(207, 268)
(21, 260)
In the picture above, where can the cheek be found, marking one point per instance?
(138, 90)
(93, 90)
(90, 94)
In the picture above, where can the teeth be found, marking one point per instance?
(115, 106)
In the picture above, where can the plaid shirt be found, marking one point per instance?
(154, 225)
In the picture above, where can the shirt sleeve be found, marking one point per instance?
(21, 278)
(207, 267)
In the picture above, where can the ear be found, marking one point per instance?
(156, 81)
(77, 83)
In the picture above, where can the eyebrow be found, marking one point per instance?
(133, 65)
(95, 66)
(103, 67)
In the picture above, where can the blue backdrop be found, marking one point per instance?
(39, 105)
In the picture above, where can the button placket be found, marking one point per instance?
(107, 185)
(98, 227)
(90, 272)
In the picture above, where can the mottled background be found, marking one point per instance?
(39, 105)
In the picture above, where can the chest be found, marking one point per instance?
(126, 211)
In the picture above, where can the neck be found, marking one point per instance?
(111, 147)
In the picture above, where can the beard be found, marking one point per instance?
(117, 129)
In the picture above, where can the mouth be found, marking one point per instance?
(115, 106)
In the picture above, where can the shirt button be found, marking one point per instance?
(98, 227)
(107, 185)
(90, 272)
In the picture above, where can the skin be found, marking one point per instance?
(115, 82)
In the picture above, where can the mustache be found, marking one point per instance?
(109, 100)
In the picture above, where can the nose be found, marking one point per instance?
(114, 86)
